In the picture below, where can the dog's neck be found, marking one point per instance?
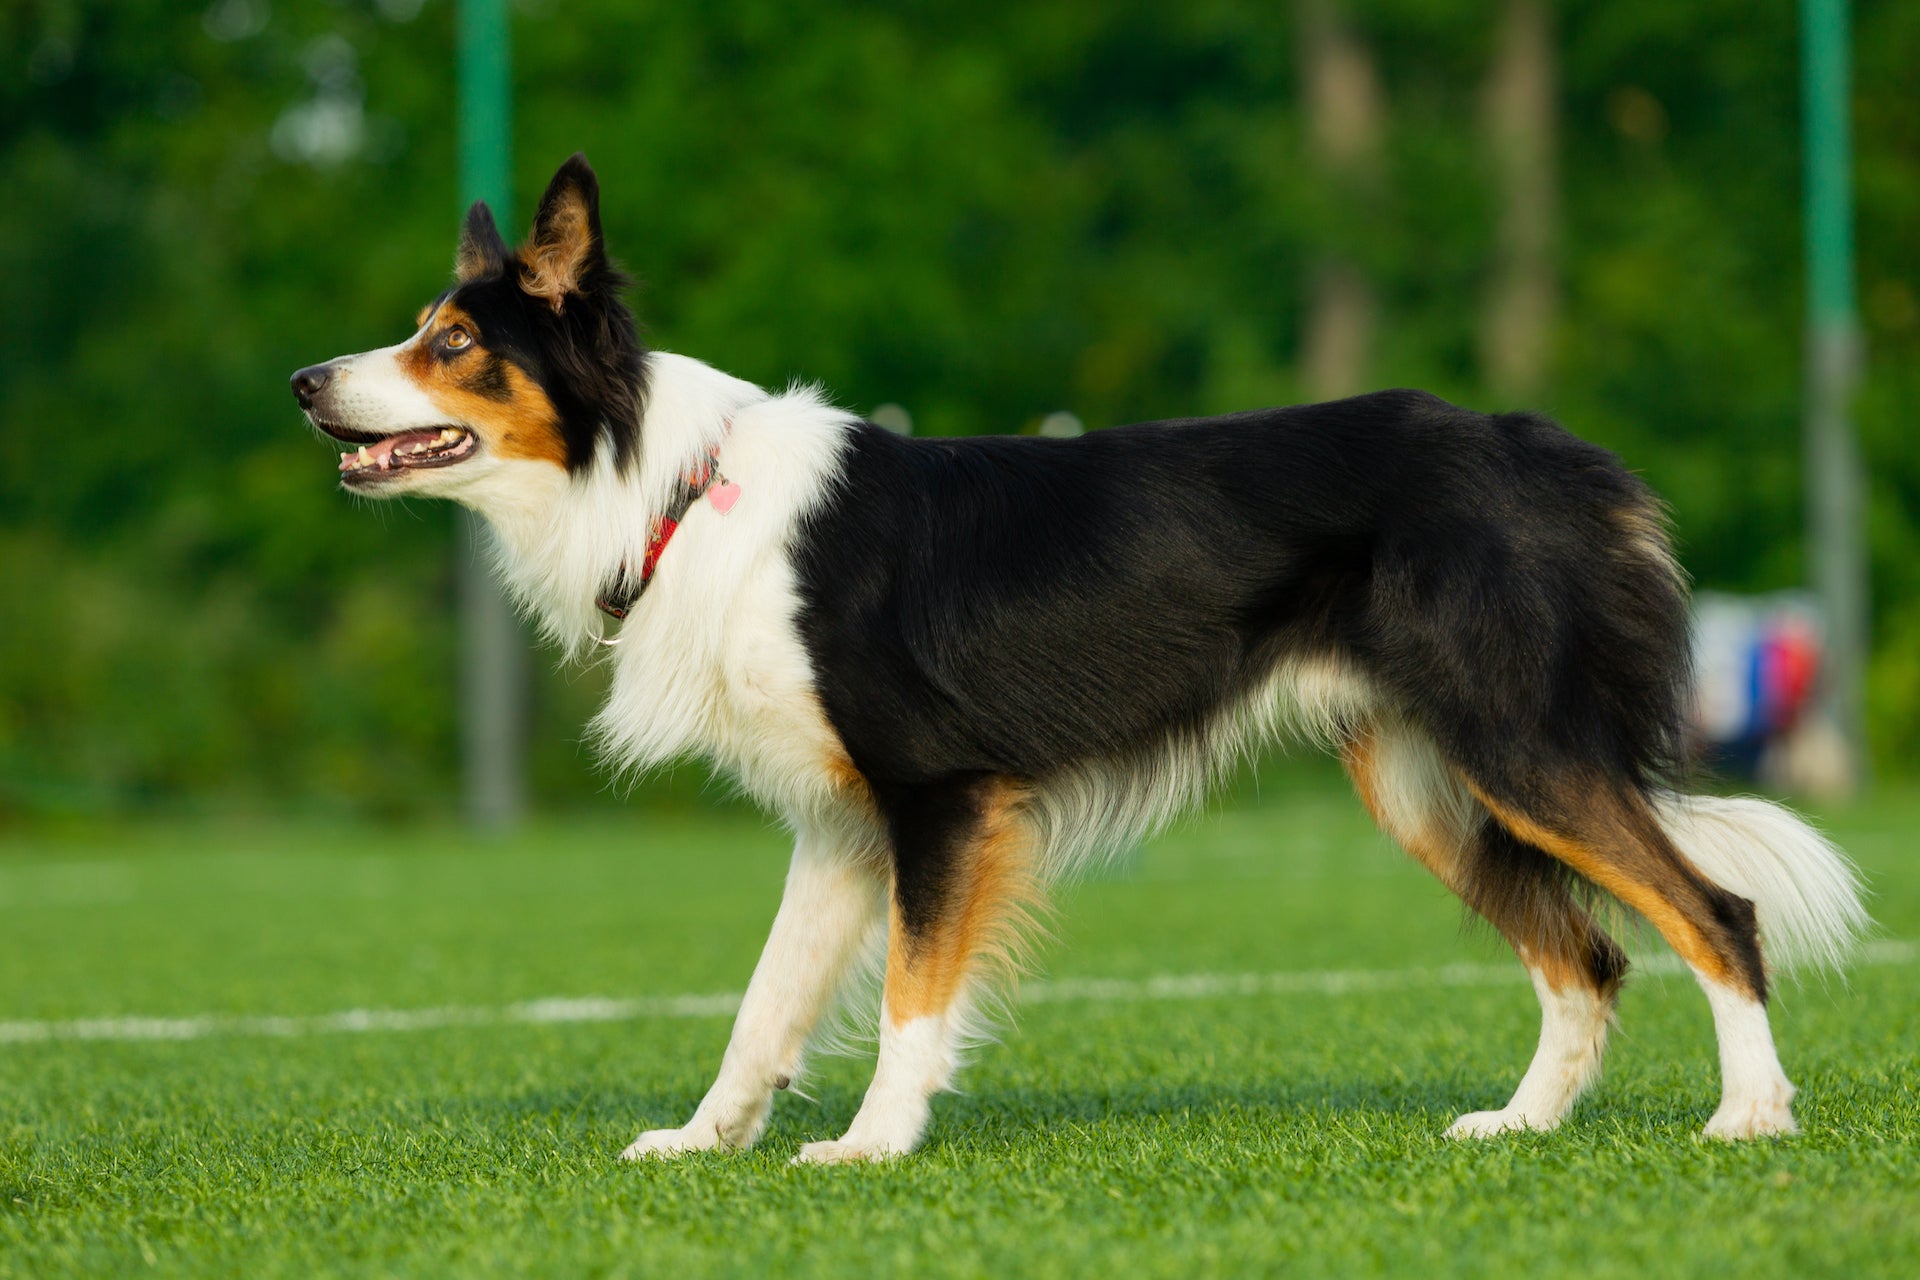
(558, 549)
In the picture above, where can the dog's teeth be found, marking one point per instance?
(363, 458)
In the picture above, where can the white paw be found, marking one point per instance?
(665, 1144)
(845, 1152)
(1485, 1124)
(1756, 1118)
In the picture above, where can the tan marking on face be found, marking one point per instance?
(993, 909)
(524, 425)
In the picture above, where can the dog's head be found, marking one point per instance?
(530, 360)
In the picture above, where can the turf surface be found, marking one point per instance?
(1292, 1131)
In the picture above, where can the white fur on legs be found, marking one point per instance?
(1756, 1099)
(829, 911)
(1573, 1035)
(917, 1060)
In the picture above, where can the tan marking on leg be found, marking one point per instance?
(1437, 835)
(990, 914)
(1560, 967)
(1644, 894)
(1420, 834)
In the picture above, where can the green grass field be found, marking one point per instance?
(1294, 1129)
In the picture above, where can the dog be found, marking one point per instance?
(960, 669)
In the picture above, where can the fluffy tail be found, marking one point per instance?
(1804, 889)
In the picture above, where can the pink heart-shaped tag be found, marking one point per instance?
(723, 496)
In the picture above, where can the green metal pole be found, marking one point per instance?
(1835, 487)
(486, 105)
(493, 691)
(1829, 162)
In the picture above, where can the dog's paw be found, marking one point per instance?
(1485, 1124)
(1758, 1118)
(844, 1152)
(665, 1144)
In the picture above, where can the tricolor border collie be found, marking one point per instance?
(961, 668)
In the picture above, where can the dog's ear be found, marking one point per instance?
(564, 255)
(482, 251)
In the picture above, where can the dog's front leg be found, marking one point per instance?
(831, 905)
(964, 884)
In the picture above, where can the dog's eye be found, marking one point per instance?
(457, 339)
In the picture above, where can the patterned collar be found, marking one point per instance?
(704, 480)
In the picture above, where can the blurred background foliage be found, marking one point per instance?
(985, 212)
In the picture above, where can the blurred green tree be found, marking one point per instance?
(984, 212)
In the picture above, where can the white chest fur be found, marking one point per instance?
(710, 661)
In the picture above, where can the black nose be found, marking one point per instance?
(308, 381)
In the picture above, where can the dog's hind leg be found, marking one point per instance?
(831, 907)
(964, 890)
(1609, 833)
(1418, 799)
(1576, 970)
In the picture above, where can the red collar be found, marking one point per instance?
(617, 599)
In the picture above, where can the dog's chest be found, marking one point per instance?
(731, 682)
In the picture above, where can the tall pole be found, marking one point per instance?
(1836, 492)
(493, 658)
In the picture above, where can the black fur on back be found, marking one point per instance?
(1017, 606)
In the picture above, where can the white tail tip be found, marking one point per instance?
(1805, 891)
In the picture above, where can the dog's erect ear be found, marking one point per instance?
(564, 253)
(482, 250)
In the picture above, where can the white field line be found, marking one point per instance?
(566, 1009)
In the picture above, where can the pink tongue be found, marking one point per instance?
(376, 453)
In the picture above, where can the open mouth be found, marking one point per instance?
(410, 450)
